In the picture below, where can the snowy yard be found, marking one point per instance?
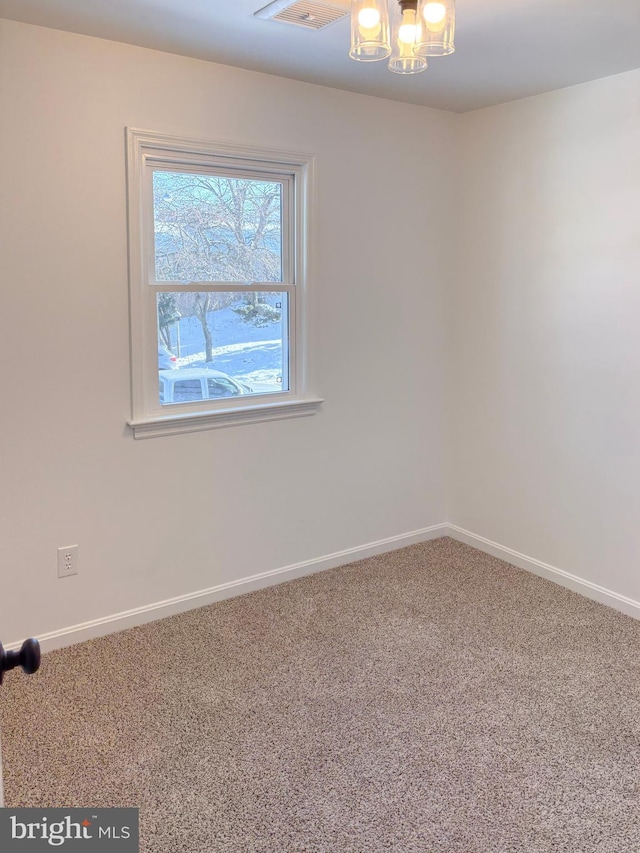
(246, 352)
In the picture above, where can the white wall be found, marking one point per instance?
(540, 270)
(168, 516)
(545, 408)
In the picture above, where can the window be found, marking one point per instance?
(219, 284)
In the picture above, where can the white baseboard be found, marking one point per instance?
(559, 576)
(180, 604)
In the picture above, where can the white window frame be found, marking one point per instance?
(147, 151)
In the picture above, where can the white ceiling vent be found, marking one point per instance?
(304, 13)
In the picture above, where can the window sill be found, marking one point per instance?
(196, 421)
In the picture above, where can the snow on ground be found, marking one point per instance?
(246, 352)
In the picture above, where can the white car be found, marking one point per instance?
(192, 384)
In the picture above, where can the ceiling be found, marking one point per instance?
(505, 49)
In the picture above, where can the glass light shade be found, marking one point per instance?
(369, 30)
(437, 22)
(405, 30)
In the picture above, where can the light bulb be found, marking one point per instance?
(434, 13)
(368, 18)
(408, 29)
(369, 30)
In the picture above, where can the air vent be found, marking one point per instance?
(304, 13)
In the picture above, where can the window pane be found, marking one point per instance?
(221, 387)
(187, 390)
(208, 228)
(234, 343)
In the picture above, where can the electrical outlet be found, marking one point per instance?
(67, 561)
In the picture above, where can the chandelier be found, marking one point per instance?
(407, 33)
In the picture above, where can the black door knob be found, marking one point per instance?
(28, 657)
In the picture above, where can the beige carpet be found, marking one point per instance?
(431, 699)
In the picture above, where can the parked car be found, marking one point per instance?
(192, 383)
(166, 359)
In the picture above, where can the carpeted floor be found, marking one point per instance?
(431, 699)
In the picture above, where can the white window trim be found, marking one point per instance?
(145, 148)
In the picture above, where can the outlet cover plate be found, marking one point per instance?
(67, 561)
